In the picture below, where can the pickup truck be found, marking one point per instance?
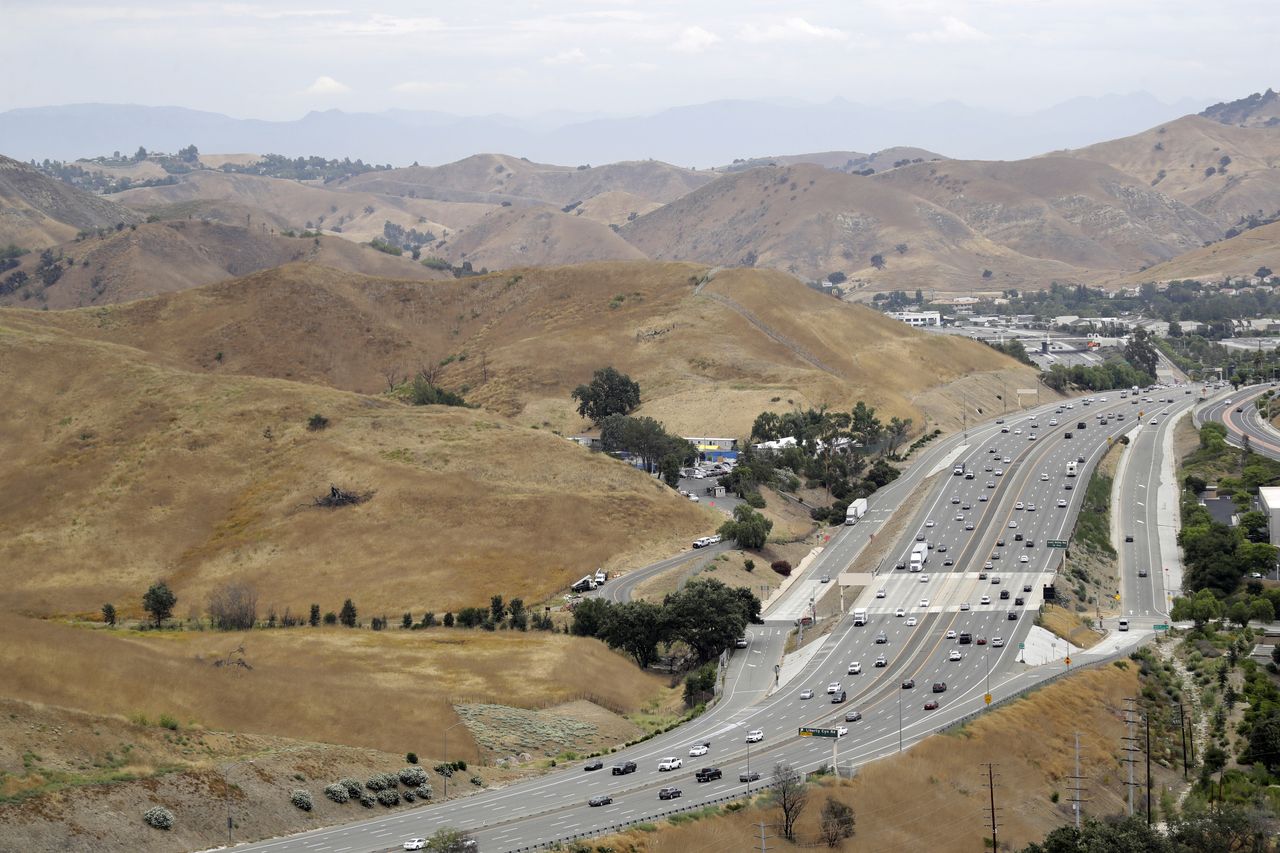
(708, 774)
(671, 763)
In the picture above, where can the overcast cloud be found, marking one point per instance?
(282, 59)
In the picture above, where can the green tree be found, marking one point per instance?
(446, 840)
(707, 616)
(1218, 827)
(347, 616)
(1127, 835)
(589, 617)
(749, 529)
(1200, 608)
(609, 393)
(1141, 353)
(669, 467)
(314, 618)
(1255, 526)
(159, 601)
(497, 608)
(636, 627)
(519, 616)
(1264, 742)
(109, 614)
(897, 432)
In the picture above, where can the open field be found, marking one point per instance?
(118, 470)
(934, 797)
(1067, 625)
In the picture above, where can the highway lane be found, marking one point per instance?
(553, 806)
(1240, 416)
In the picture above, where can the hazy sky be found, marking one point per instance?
(281, 59)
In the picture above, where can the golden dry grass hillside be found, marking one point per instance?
(494, 178)
(1082, 213)
(1176, 159)
(38, 211)
(813, 221)
(534, 236)
(708, 358)
(160, 257)
(934, 796)
(116, 470)
(1241, 255)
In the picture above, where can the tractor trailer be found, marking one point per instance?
(919, 556)
(857, 509)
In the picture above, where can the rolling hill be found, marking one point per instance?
(1241, 255)
(534, 236)
(159, 257)
(37, 211)
(708, 357)
(117, 468)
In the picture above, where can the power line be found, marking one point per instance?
(764, 844)
(991, 790)
(1076, 786)
(1130, 711)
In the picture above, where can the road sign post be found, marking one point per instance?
(811, 731)
(1057, 543)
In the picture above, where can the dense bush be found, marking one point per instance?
(158, 817)
(407, 796)
(367, 800)
(381, 781)
(353, 786)
(301, 799)
(389, 798)
(424, 792)
(337, 792)
(413, 776)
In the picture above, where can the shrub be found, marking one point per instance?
(375, 783)
(407, 796)
(158, 817)
(424, 792)
(317, 422)
(389, 798)
(168, 722)
(411, 757)
(337, 792)
(477, 781)
(754, 500)
(353, 786)
(782, 567)
(301, 799)
(413, 776)
(367, 800)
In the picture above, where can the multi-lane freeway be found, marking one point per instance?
(987, 541)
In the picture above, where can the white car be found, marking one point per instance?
(880, 593)
(999, 472)
(698, 749)
(1012, 525)
(929, 523)
(924, 602)
(755, 736)
(899, 612)
(807, 693)
(982, 498)
(986, 599)
(1031, 507)
(833, 687)
(951, 634)
(1053, 421)
(955, 499)
(955, 655)
(1031, 437)
(964, 605)
(841, 731)
(1062, 502)
(997, 642)
(1005, 460)
(1044, 478)
(911, 622)
(989, 565)
(670, 763)
(1019, 505)
(855, 668)
(416, 844)
(1018, 431)
(1023, 559)
(924, 579)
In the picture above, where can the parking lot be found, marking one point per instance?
(704, 489)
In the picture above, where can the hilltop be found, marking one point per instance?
(709, 355)
(213, 475)
(511, 237)
(1256, 110)
(159, 257)
(38, 211)
(1241, 255)
(848, 162)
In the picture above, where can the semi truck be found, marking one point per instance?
(857, 509)
(919, 556)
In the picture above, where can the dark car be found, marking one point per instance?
(1017, 537)
(1013, 616)
(1066, 435)
(982, 641)
(1080, 459)
(982, 576)
(593, 765)
(939, 687)
(600, 800)
(707, 774)
(1080, 425)
(908, 684)
(1019, 601)
(669, 793)
(753, 776)
(1067, 486)
(941, 549)
(965, 638)
(931, 705)
(901, 567)
(1128, 537)
(1004, 595)
(882, 638)
(838, 698)
(853, 716)
(1026, 587)
(624, 768)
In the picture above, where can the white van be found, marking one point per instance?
(1124, 624)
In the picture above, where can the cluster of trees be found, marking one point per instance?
(424, 392)
(1216, 828)
(411, 239)
(304, 168)
(704, 615)
(1014, 349)
(649, 440)
(1200, 356)
(1116, 372)
(897, 300)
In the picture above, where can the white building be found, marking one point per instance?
(1269, 497)
(918, 318)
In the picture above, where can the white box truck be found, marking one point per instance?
(859, 618)
(1071, 468)
(919, 556)
(857, 509)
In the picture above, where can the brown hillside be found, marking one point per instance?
(1261, 109)
(615, 207)
(840, 161)
(708, 361)
(116, 470)
(1241, 255)
(494, 178)
(160, 257)
(1085, 214)
(534, 236)
(1173, 158)
(291, 204)
(37, 211)
(813, 221)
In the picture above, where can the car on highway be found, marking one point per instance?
(986, 599)
(855, 668)
(707, 774)
(924, 579)
(669, 793)
(1128, 537)
(931, 705)
(593, 765)
(964, 605)
(600, 800)
(955, 499)
(966, 507)
(941, 549)
(1024, 559)
(929, 523)
(911, 621)
(839, 697)
(920, 536)
(833, 687)
(948, 562)
(999, 472)
(990, 565)
(881, 593)
(826, 579)
(623, 768)
(924, 602)
(982, 641)
(1005, 460)
(951, 633)
(1012, 524)
(1019, 600)
(982, 498)
(670, 763)
(1142, 571)
(755, 736)
(1017, 537)
(753, 776)
(1067, 486)
(1044, 478)
(900, 612)
(1031, 437)
(416, 844)
(807, 693)
(740, 643)
(1062, 502)
(882, 661)
(1026, 587)
(699, 749)
(995, 579)
(882, 638)
(955, 655)
(939, 687)
(1004, 595)
(852, 716)
(1031, 507)
(960, 517)
(968, 525)
(908, 684)
(997, 642)
(1013, 616)
(1019, 505)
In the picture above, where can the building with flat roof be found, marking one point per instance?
(1269, 498)
(918, 318)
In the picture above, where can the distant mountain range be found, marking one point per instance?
(702, 135)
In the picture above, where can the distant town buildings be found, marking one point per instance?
(918, 318)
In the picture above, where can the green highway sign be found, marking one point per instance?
(1160, 627)
(1022, 645)
(1057, 543)
(809, 731)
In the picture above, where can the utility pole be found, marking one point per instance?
(1129, 748)
(1182, 727)
(1148, 722)
(764, 847)
(1077, 785)
(991, 790)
